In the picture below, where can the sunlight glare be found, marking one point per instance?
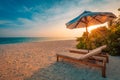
(96, 26)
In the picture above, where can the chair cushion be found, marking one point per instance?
(79, 50)
(94, 52)
(71, 55)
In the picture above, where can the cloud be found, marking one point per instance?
(5, 22)
(51, 21)
(26, 9)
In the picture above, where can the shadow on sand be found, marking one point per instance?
(66, 71)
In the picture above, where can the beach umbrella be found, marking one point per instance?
(88, 18)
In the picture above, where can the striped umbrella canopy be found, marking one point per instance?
(88, 18)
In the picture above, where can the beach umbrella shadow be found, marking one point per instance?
(65, 71)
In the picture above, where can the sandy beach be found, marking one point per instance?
(37, 61)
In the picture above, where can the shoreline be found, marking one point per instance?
(37, 41)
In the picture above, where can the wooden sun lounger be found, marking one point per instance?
(81, 51)
(88, 59)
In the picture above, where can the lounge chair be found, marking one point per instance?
(88, 59)
(81, 51)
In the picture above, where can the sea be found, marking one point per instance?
(14, 40)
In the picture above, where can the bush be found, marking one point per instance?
(114, 42)
(81, 45)
(114, 48)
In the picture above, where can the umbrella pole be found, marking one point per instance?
(87, 39)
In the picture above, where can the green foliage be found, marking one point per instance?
(114, 40)
(95, 39)
(102, 36)
(81, 45)
(114, 49)
(82, 41)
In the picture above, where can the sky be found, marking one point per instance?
(47, 18)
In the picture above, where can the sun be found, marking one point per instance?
(96, 26)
